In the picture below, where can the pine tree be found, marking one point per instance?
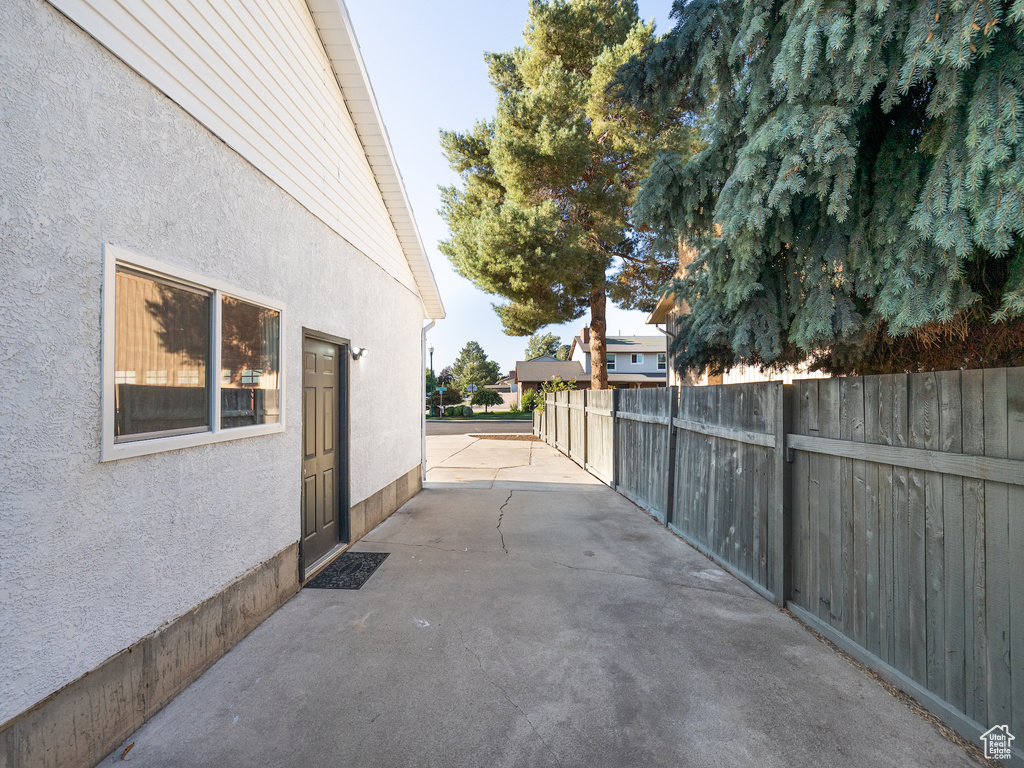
(859, 198)
(543, 215)
(473, 367)
(542, 344)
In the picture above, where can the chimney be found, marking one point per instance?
(585, 334)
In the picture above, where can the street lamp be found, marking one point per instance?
(431, 407)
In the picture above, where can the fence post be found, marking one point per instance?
(552, 407)
(586, 442)
(615, 439)
(782, 396)
(568, 421)
(673, 410)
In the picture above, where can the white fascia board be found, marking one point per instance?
(339, 40)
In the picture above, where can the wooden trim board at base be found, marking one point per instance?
(78, 726)
(378, 507)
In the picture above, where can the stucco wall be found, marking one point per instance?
(94, 556)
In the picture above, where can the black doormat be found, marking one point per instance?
(349, 571)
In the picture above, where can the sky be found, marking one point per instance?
(425, 61)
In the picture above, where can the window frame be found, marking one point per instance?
(662, 361)
(636, 358)
(610, 361)
(114, 257)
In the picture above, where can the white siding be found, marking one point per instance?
(93, 556)
(256, 74)
(749, 374)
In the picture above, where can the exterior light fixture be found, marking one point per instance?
(359, 352)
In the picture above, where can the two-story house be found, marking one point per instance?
(634, 362)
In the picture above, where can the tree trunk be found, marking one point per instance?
(598, 356)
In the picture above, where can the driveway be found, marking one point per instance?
(529, 616)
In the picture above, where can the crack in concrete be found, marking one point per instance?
(501, 514)
(446, 458)
(509, 699)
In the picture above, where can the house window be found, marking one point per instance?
(159, 322)
(250, 340)
(610, 362)
(165, 332)
(661, 361)
(637, 358)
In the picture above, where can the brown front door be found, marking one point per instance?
(323, 378)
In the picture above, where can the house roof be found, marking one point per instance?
(659, 315)
(338, 37)
(546, 367)
(504, 384)
(626, 344)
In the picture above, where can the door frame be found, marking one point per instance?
(344, 434)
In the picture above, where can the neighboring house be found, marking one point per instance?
(508, 389)
(203, 226)
(530, 374)
(634, 362)
(506, 384)
(667, 313)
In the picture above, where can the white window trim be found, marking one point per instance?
(113, 256)
(636, 358)
(662, 364)
(610, 361)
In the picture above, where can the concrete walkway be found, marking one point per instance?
(529, 616)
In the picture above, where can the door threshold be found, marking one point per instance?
(324, 561)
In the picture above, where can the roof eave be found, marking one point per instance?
(660, 312)
(338, 37)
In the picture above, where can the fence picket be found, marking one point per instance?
(951, 441)
(997, 553)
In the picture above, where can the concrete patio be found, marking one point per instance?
(530, 616)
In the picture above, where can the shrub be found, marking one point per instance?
(529, 401)
(514, 407)
(467, 411)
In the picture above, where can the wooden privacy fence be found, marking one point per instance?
(908, 532)
(886, 511)
(643, 419)
(729, 466)
(579, 424)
